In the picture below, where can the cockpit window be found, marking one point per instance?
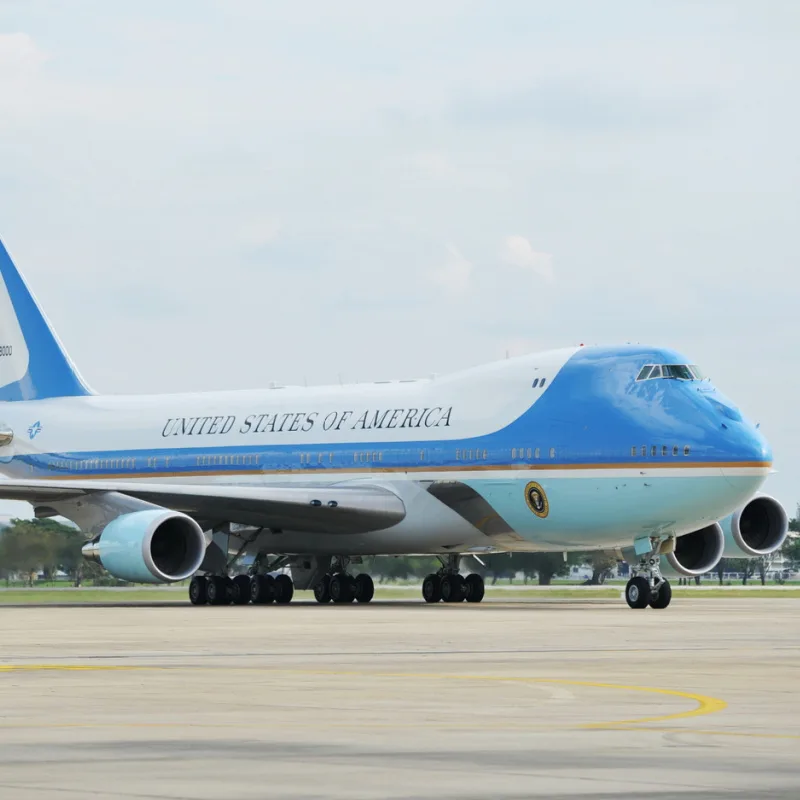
(681, 372)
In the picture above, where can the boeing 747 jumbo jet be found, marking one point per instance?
(628, 449)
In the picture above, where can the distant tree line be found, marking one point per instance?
(33, 548)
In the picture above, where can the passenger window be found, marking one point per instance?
(675, 450)
(535, 383)
(552, 452)
(663, 449)
(513, 452)
(653, 451)
(536, 453)
(541, 383)
(686, 450)
(634, 450)
(644, 451)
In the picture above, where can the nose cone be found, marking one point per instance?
(740, 441)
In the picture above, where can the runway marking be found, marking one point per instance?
(705, 705)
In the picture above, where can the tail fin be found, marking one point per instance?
(33, 364)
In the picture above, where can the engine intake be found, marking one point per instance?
(152, 546)
(757, 529)
(697, 552)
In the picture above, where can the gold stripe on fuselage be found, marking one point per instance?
(401, 470)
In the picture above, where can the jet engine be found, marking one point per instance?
(697, 552)
(151, 546)
(757, 529)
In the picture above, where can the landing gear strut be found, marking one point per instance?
(450, 586)
(647, 586)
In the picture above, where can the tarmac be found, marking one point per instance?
(503, 700)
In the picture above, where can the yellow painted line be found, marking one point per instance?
(705, 705)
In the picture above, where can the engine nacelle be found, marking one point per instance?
(152, 546)
(757, 529)
(697, 552)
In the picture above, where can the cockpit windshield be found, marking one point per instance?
(680, 372)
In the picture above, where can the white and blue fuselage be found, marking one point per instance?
(613, 455)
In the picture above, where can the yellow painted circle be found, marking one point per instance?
(536, 499)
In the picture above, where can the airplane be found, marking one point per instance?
(623, 448)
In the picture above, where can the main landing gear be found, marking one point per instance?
(450, 586)
(338, 586)
(648, 587)
(219, 590)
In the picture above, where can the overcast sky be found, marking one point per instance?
(211, 195)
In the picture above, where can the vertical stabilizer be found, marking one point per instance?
(33, 364)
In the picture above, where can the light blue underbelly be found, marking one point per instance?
(607, 511)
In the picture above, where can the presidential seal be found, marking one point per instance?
(537, 499)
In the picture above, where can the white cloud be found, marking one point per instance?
(260, 231)
(455, 275)
(518, 252)
(19, 54)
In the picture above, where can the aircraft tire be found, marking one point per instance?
(262, 589)
(453, 588)
(217, 591)
(198, 595)
(284, 589)
(365, 588)
(637, 592)
(322, 591)
(475, 588)
(432, 589)
(240, 593)
(663, 597)
(342, 589)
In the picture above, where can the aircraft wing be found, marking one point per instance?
(332, 509)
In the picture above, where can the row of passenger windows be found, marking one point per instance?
(233, 460)
(472, 455)
(94, 463)
(538, 382)
(529, 452)
(681, 372)
(664, 450)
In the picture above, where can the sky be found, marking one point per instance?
(220, 194)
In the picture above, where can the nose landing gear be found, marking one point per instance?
(648, 587)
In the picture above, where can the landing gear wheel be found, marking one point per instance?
(198, 595)
(217, 591)
(342, 588)
(322, 591)
(240, 593)
(284, 589)
(475, 588)
(262, 589)
(637, 592)
(453, 588)
(365, 588)
(662, 598)
(432, 589)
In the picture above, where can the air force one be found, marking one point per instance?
(625, 449)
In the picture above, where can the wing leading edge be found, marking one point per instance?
(342, 509)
